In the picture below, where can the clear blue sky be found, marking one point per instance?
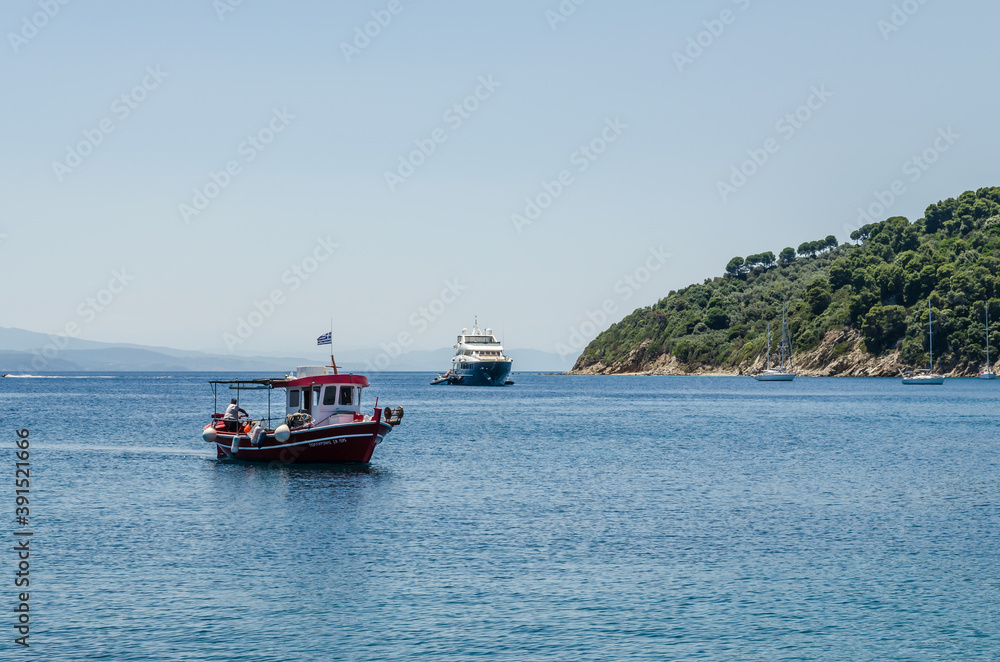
(681, 127)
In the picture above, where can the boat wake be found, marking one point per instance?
(59, 376)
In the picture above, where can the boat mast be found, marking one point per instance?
(767, 358)
(930, 333)
(987, 335)
(786, 345)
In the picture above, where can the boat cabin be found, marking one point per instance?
(479, 344)
(329, 398)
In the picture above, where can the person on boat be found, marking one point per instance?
(232, 415)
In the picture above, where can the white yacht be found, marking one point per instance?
(479, 360)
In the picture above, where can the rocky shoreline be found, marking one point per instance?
(840, 354)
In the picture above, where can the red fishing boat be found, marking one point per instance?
(323, 422)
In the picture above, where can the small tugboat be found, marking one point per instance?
(479, 361)
(323, 422)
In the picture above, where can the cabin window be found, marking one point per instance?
(330, 395)
(293, 398)
(346, 393)
(316, 396)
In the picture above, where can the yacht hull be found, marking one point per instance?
(777, 377)
(923, 381)
(352, 443)
(482, 373)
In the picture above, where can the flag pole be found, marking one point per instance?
(333, 361)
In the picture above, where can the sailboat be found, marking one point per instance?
(784, 372)
(921, 376)
(987, 370)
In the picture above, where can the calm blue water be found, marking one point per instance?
(564, 518)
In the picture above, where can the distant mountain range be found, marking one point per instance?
(24, 351)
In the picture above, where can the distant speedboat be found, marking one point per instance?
(784, 372)
(987, 370)
(479, 360)
(921, 376)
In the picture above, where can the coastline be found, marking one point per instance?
(841, 353)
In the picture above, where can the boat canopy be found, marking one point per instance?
(294, 382)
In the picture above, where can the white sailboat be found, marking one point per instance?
(987, 370)
(785, 371)
(926, 377)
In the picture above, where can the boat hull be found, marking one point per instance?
(482, 373)
(987, 375)
(923, 381)
(776, 377)
(351, 443)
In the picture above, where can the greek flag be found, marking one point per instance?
(325, 339)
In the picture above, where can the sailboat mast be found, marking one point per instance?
(930, 333)
(785, 348)
(767, 358)
(987, 335)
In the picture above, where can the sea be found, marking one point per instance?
(561, 518)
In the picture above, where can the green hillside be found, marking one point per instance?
(877, 286)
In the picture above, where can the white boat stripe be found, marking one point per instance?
(298, 443)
